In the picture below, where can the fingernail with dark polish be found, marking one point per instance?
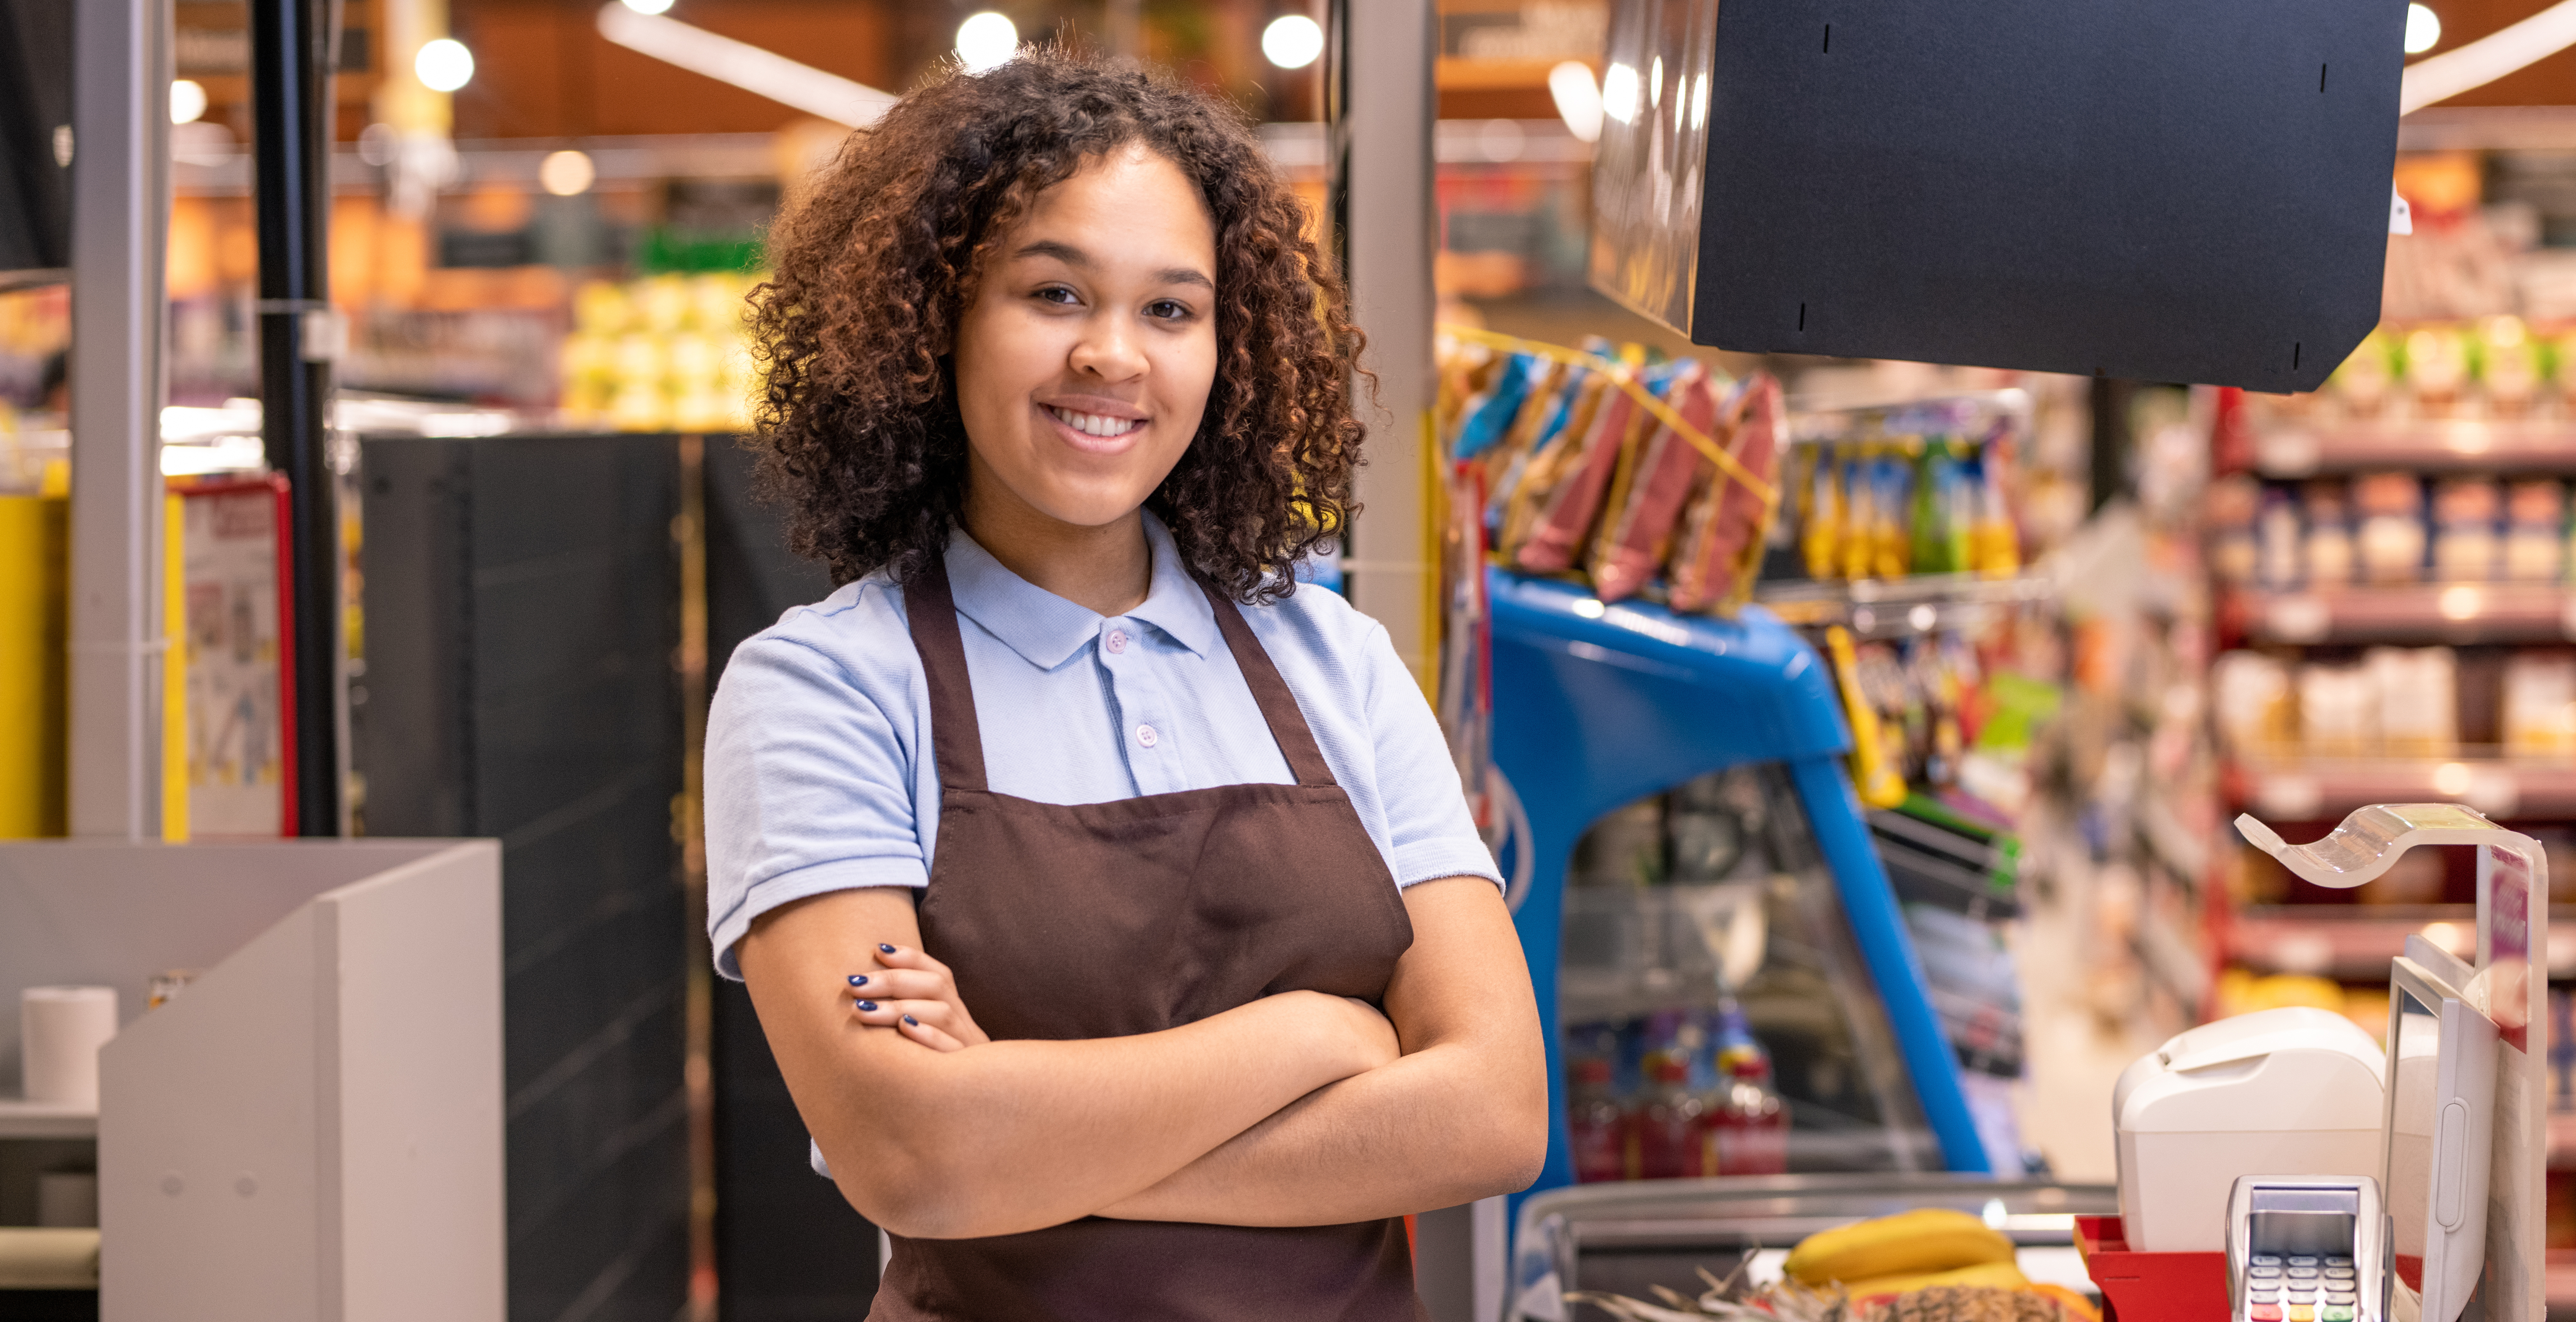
(869, 1006)
(886, 948)
(858, 980)
(912, 1021)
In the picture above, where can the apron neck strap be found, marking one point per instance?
(1270, 692)
(931, 610)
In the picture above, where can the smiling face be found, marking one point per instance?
(1084, 360)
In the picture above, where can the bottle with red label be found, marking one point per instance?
(1746, 1127)
(1668, 1121)
(1600, 1131)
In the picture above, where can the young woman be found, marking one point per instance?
(1110, 905)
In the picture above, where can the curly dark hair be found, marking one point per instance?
(859, 434)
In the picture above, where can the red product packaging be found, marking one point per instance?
(1567, 512)
(1724, 534)
(1639, 530)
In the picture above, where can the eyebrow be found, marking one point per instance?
(1073, 256)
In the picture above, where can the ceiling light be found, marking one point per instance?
(987, 41)
(2423, 29)
(566, 173)
(444, 65)
(187, 102)
(649, 6)
(1292, 41)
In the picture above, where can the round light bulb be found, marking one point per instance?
(2423, 29)
(566, 173)
(987, 41)
(444, 65)
(1292, 41)
(187, 101)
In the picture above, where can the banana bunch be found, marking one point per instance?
(1910, 1251)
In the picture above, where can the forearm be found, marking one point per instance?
(1434, 1129)
(1015, 1136)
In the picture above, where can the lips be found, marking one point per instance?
(1099, 425)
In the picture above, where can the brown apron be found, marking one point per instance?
(1104, 919)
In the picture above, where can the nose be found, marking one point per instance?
(1108, 350)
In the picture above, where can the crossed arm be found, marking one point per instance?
(1297, 1109)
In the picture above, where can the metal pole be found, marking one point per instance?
(120, 218)
(1378, 76)
(290, 62)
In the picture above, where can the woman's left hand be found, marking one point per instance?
(915, 996)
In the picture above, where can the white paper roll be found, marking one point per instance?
(60, 1030)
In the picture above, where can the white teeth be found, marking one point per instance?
(1095, 424)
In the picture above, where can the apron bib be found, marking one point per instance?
(1066, 921)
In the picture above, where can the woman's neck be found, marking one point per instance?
(1108, 569)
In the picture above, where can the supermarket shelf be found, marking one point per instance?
(1894, 607)
(2295, 448)
(2354, 942)
(20, 1118)
(2427, 612)
(2326, 788)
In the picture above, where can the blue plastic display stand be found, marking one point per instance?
(1596, 706)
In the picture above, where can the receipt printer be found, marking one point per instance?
(2282, 1090)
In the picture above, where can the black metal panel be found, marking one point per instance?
(522, 614)
(2164, 190)
(35, 101)
(789, 1248)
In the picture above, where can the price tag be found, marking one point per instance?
(2288, 796)
(2286, 453)
(2298, 618)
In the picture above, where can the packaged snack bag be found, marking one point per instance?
(1568, 508)
(1488, 416)
(1552, 464)
(1721, 544)
(1542, 424)
(1639, 530)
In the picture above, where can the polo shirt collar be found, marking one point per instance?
(1046, 629)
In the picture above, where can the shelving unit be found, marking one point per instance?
(2423, 612)
(2296, 448)
(2314, 789)
(20, 1118)
(1894, 607)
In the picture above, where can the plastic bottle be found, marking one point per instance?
(1747, 1127)
(1600, 1139)
(1667, 1123)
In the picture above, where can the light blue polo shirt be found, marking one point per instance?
(820, 774)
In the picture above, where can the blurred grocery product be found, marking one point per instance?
(1596, 1123)
(1921, 1242)
(663, 353)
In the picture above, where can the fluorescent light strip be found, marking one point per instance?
(2450, 73)
(801, 86)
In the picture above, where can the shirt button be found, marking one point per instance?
(1118, 643)
(1145, 735)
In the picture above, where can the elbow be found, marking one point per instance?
(916, 1191)
(1510, 1145)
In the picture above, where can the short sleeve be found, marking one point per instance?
(1430, 832)
(809, 788)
